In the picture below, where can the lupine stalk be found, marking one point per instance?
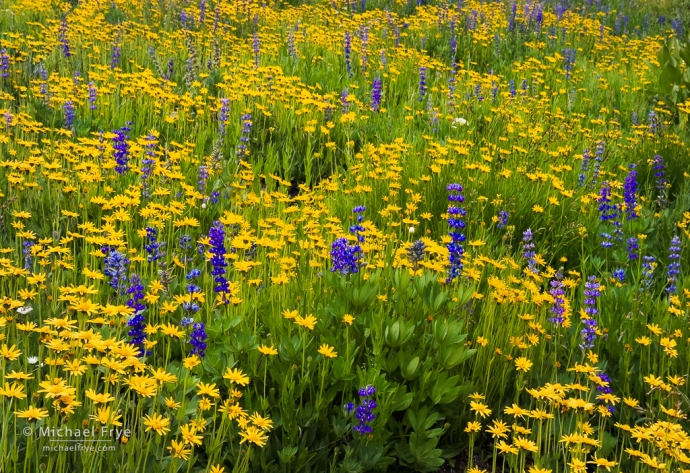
(456, 224)
(674, 265)
(589, 333)
(630, 193)
(217, 239)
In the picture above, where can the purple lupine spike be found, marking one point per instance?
(674, 265)
(376, 91)
(557, 291)
(217, 237)
(455, 216)
(630, 193)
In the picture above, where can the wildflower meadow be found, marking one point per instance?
(344, 236)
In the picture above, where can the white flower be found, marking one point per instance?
(411, 229)
(25, 310)
(459, 121)
(32, 360)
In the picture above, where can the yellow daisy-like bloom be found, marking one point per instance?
(171, 403)
(178, 450)
(309, 321)
(191, 361)
(208, 390)
(32, 413)
(99, 398)
(158, 423)
(473, 427)
(265, 424)
(328, 352)
(106, 417)
(236, 376)
(267, 350)
(481, 409)
(498, 430)
(523, 364)
(254, 435)
(189, 434)
(9, 353)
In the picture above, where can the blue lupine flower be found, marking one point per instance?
(136, 322)
(648, 266)
(115, 56)
(4, 64)
(348, 51)
(605, 389)
(154, 247)
(62, 37)
(528, 251)
(93, 91)
(345, 257)
(569, 60)
(186, 242)
(171, 69)
(217, 237)
(68, 109)
(376, 89)
(653, 123)
(607, 210)
(148, 162)
(455, 216)
(121, 148)
(364, 411)
(358, 228)
(223, 115)
(584, 167)
(256, 49)
(202, 177)
(193, 288)
(28, 258)
(193, 274)
(422, 83)
(344, 103)
(502, 219)
(619, 275)
(589, 333)
(197, 340)
(660, 180)
(242, 149)
(607, 240)
(598, 159)
(186, 321)
(292, 50)
(115, 268)
(364, 40)
(630, 193)
(591, 294)
(674, 265)
(557, 291)
(478, 92)
(633, 248)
